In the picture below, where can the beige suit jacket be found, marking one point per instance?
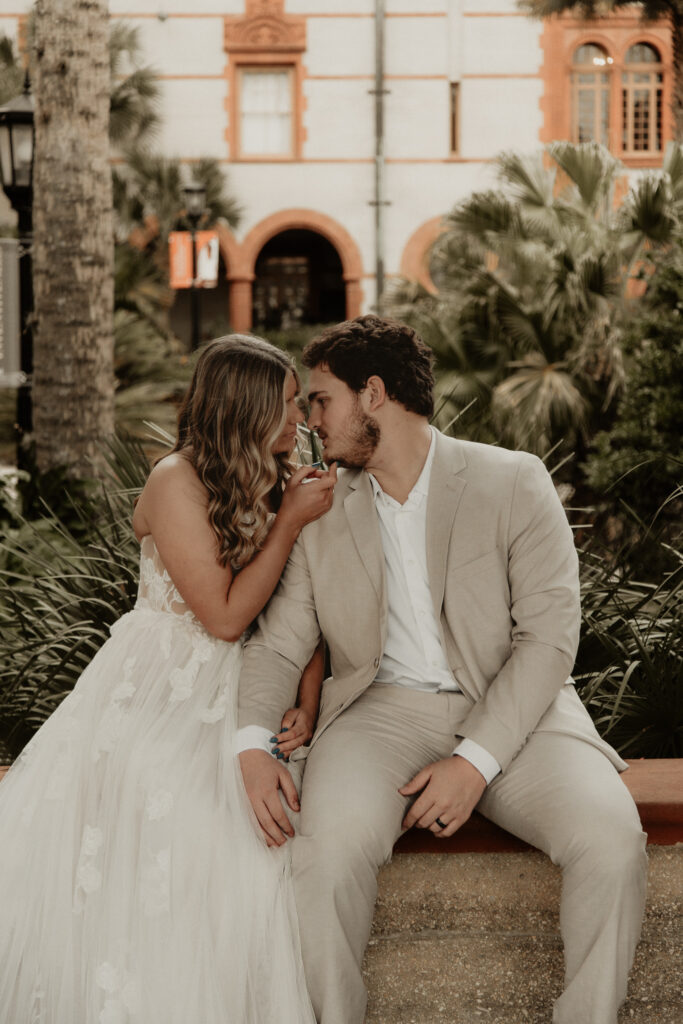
(503, 574)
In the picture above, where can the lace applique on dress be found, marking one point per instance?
(88, 874)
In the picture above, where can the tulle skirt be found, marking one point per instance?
(134, 887)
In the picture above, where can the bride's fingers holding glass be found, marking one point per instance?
(307, 497)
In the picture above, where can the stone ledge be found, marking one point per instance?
(656, 785)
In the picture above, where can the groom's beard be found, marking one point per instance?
(358, 445)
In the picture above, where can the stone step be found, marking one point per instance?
(475, 937)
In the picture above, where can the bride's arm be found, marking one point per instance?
(173, 508)
(298, 724)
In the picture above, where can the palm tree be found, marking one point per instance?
(134, 97)
(533, 289)
(73, 248)
(671, 10)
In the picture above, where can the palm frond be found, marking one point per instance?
(591, 168)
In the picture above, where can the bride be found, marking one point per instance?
(135, 885)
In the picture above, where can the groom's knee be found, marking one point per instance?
(342, 847)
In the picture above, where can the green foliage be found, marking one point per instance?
(629, 669)
(639, 461)
(11, 71)
(652, 9)
(152, 374)
(532, 292)
(135, 94)
(151, 186)
(61, 588)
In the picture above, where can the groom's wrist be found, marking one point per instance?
(253, 737)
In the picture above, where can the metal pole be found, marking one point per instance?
(24, 402)
(194, 291)
(379, 201)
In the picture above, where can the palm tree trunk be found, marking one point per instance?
(73, 240)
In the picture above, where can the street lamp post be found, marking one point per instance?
(195, 201)
(16, 172)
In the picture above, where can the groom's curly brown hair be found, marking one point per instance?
(372, 346)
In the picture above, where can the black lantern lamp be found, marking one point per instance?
(16, 171)
(16, 149)
(195, 204)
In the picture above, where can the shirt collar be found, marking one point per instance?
(420, 487)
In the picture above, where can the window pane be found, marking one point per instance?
(266, 112)
(591, 54)
(642, 53)
(642, 112)
(591, 108)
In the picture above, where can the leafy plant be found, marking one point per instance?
(532, 297)
(630, 663)
(61, 588)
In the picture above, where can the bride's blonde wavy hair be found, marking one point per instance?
(229, 420)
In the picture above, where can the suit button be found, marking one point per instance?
(376, 663)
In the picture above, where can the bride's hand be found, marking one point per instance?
(297, 729)
(308, 495)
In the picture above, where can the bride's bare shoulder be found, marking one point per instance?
(172, 479)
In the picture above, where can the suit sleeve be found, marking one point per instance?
(278, 651)
(546, 616)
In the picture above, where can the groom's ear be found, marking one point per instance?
(374, 393)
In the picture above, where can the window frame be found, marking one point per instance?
(264, 67)
(599, 89)
(615, 34)
(655, 88)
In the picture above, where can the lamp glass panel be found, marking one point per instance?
(5, 156)
(23, 152)
(195, 199)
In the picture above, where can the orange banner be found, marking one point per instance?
(180, 258)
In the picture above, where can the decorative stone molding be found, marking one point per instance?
(265, 26)
(264, 37)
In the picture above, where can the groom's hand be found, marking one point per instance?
(451, 789)
(263, 778)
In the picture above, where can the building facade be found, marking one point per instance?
(349, 127)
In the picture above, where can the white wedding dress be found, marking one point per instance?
(134, 888)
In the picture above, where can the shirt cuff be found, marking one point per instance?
(253, 737)
(484, 762)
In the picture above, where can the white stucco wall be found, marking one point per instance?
(486, 44)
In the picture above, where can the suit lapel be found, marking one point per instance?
(445, 491)
(360, 512)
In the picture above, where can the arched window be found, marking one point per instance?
(641, 94)
(590, 94)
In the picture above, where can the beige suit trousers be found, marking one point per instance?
(560, 793)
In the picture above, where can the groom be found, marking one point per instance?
(444, 581)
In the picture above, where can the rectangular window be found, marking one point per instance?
(455, 117)
(266, 112)
(642, 112)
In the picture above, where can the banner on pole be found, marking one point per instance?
(180, 255)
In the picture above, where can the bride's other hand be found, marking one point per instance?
(308, 495)
(297, 729)
(263, 779)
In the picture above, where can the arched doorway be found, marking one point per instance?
(297, 226)
(298, 279)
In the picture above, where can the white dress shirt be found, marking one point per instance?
(413, 652)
